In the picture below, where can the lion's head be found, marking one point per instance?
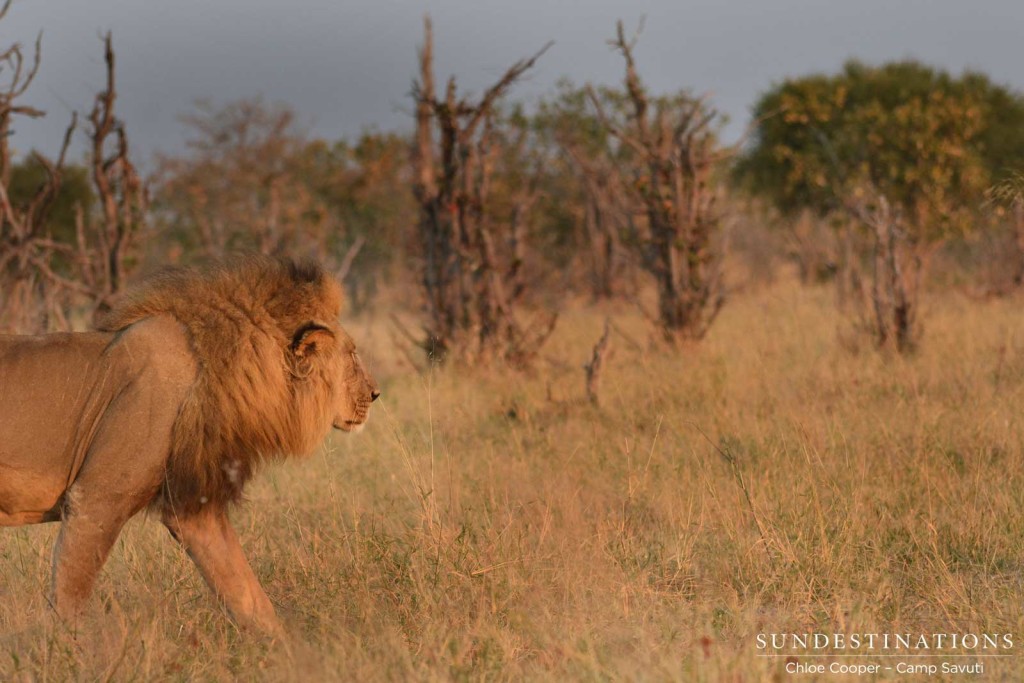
(275, 369)
(352, 389)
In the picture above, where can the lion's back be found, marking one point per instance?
(46, 380)
(66, 390)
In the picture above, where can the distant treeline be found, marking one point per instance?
(496, 208)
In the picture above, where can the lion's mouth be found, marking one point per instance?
(349, 425)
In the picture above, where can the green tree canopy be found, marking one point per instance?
(927, 141)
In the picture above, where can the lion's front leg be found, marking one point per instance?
(211, 542)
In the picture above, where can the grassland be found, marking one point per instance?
(493, 525)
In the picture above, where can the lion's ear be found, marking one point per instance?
(309, 338)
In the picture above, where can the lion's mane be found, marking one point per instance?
(250, 400)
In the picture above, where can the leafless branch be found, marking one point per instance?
(349, 258)
(597, 358)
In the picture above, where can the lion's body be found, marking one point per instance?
(197, 377)
(87, 404)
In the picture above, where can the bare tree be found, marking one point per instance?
(472, 258)
(246, 183)
(673, 153)
(30, 288)
(121, 193)
(897, 266)
(41, 278)
(591, 186)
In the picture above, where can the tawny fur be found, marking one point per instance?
(196, 378)
(254, 398)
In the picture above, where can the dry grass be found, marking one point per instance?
(499, 526)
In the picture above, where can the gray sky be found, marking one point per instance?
(345, 66)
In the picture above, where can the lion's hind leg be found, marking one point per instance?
(211, 542)
(89, 528)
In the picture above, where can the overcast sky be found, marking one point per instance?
(345, 66)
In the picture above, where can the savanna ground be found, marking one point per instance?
(494, 525)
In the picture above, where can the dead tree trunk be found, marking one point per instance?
(473, 259)
(122, 196)
(673, 153)
(895, 274)
(596, 364)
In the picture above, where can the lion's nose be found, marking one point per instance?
(374, 395)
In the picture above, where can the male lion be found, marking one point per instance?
(193, 380)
